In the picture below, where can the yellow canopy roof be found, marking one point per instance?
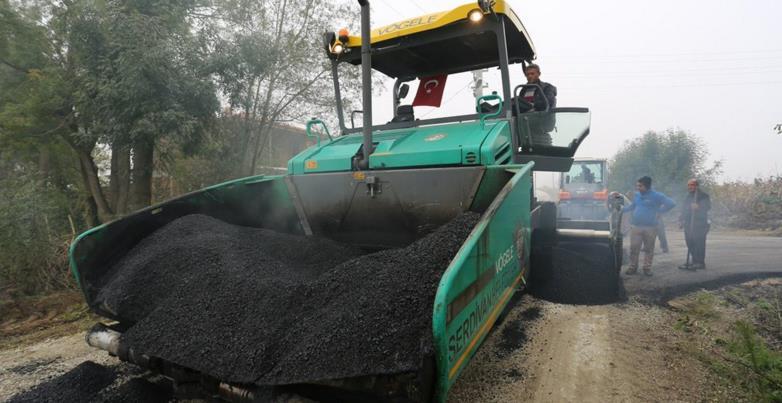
(433, 21)
(444, 42)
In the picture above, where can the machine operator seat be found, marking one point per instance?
(404, 113)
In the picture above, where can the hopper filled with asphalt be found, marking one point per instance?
(267, 318)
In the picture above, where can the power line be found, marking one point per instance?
(684, 53)
(675, 85)
(600, 59)
(448, 100)
(662, 74)
(700, 69)
(392, 8)
(415, 3)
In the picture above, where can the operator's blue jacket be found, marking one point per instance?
(646, 207)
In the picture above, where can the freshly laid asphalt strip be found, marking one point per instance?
(197, 247)
(238, 320)
(81, 384)
(576, 273)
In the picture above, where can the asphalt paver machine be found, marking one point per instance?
(384, 186)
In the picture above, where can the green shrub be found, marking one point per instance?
(759, 369)
(34, 234)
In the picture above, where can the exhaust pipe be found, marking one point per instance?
(583, 233)
(366, 83)
(235, 393)
(109, 340)
(103, 338)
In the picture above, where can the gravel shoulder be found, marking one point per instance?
(615, 353)
(23, 367)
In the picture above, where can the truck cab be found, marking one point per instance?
(583, 191)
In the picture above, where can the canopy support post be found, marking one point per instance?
(502, 48)
(366, 83)
(338, 96)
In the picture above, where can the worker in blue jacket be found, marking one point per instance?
(646, 207)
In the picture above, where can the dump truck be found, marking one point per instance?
(384, 186)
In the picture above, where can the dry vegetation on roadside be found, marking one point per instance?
(753, 205)
(26, 320)
(736, 331)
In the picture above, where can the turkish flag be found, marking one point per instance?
(430, 91)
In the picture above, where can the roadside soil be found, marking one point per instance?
(30, 319)
(608, 353)
(23, 367)
(663, 344)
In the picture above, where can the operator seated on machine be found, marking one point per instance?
(586, 175)
(537, 96)
(532, 98)
(537, 93)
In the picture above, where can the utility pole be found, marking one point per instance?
(478, 84)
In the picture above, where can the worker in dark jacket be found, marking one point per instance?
(538, 96)
(647, 206)
(695, 221)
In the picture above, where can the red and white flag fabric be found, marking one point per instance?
(430, 91)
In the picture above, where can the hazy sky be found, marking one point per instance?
(710, 67)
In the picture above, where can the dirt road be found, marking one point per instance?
(24, 367)
(610, 353)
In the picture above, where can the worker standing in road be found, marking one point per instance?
(647, 205)
(695, 221)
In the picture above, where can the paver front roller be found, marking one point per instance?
(384, 186)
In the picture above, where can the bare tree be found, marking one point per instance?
(271, 65)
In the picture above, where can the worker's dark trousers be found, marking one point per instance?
(661, 235)
(696, 243)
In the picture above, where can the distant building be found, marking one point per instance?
(283, 143)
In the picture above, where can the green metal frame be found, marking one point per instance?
(484, 116)
(313, 122)
(484, 274)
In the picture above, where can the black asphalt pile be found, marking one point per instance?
(198, 248)
(137, 390)
(368, 315)
(81, 384)
(576, 273)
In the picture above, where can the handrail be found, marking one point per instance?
(494, 114)
(516, 92)
(313, 122)
(352, 118)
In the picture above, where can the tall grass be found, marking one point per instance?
(749, 205)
